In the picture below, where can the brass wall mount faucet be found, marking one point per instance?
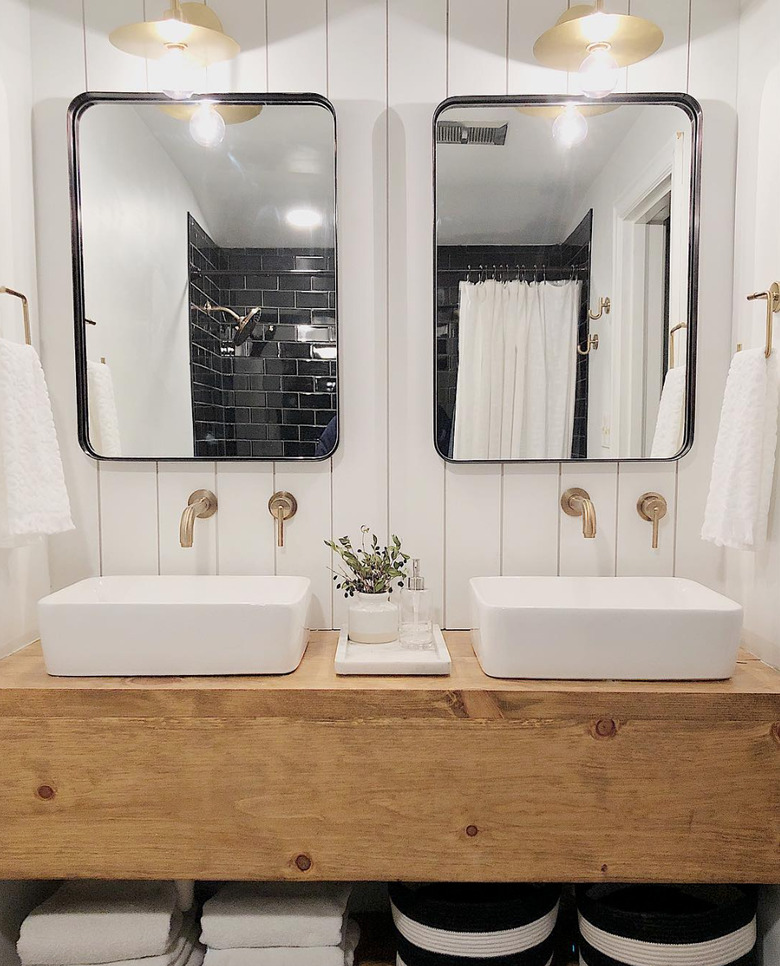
(201, 503)
(652, 507)
(282, 506)
(576, 502)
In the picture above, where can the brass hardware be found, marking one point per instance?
(565, 45)
(680, 325)
(772, 305)
(25, 311)
(605, 306)
(576, 502)
(652, 507)
(590, 346)
(282, 506)
(201, 503)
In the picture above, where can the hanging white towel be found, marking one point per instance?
(737, 509)
(101, 922)
(275, 914)
(341, 955)
(668, 436)
(103, 416)
(33, 497)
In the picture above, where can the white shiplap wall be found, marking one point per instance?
(385, 64)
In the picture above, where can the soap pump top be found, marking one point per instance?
(416, 581)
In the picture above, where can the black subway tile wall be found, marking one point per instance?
(456, 264)
(284, 379)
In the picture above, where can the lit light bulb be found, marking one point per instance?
(207, 126)
(599, 71)
(177, 73)
(304, 218)
(173, 31)
(570, 127)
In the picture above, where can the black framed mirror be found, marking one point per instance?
(205, 276)
(565, 277)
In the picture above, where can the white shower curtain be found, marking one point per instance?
(516, 370)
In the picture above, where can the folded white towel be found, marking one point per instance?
(103, 417)
(101, 922)
(255, 914)
(33, 497)
(743, 468)
(179, 953)
(341, 955)
(668, 436)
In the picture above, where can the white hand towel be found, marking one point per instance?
(33, 497)
(103, 417)
(248, 914)
(668, 436)
(101, 922)
(743, 468)
(341, 955)
(179, 953)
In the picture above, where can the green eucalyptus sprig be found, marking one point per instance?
(370, 569)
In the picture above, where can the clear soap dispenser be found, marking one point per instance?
(416, 611)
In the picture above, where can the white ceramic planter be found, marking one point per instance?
(373, 619)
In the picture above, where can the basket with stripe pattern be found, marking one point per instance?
(472, 924)
(686, 925)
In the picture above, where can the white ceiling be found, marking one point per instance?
(528, 191)
(280, 160)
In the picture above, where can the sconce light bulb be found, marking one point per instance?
(207, 126)
(570, 127)
(177, 72)
(599, 72)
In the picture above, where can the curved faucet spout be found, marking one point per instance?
(202, 503)
(577, 503)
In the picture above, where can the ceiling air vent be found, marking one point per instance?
(453, 132)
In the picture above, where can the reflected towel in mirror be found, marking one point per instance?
(668, 436)
(737, 510)
(103, 417)
(33, 497)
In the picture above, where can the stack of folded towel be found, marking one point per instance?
(279, 924)
(122, 923)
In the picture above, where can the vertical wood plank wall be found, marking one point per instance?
(385, 64)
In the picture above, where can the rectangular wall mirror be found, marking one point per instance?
(204, 251)
(566, 238)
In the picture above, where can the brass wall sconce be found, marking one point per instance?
(192, 29)
(597, 44)
(605, 306)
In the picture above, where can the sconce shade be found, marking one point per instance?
(566, 45)
(231, 113)
(200, 33)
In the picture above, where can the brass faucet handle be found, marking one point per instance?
(653, 508)
(282, 506)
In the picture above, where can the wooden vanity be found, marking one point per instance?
(457, 778)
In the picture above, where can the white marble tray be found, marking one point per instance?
(392, 658)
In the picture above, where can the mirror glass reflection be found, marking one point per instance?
(563, 298)
(207, 235)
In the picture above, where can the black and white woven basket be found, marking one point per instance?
(472, 924)
(633, 925)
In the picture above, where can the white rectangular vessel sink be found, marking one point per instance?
(594, 628)
(148, 626)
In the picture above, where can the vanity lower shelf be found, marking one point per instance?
(465, 778)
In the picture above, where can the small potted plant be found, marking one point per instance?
(369, 575)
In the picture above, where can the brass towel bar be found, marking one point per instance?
(772, 297)
(25, 311)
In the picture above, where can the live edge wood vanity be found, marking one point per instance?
(458, 778)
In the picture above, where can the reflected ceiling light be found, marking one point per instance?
(570, 127)
(597, 44)
(189, 35)
(304, 218)
(207, 126)
(231, 113)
